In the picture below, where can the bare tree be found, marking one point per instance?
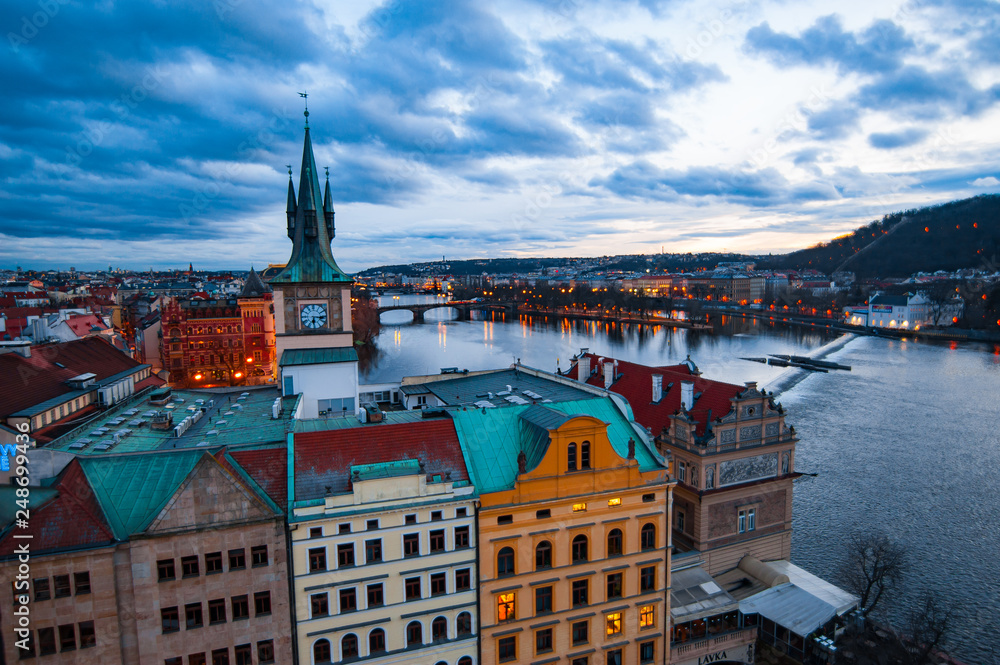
(873, 567)
(928, 626)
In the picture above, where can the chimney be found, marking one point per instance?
(687, 395)
(583, 369)
(21, 347)
(609, 374)
(657, 388)
(750, 385)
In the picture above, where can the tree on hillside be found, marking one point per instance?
(873, 567)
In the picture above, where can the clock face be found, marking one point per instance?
(313, 316)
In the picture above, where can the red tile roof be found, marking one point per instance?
(73, 519)
(25, 382)
(323, 459)
(636, 385)
(81, 324)
(269, 468)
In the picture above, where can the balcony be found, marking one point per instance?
(703, 647)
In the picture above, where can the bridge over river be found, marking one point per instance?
(462, 307)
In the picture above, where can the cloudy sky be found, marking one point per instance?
(157, 133)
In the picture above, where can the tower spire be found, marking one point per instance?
(328, 207)
(291, 207)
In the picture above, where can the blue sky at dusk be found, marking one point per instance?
(156, 134)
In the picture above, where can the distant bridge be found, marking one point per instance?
(463, 308)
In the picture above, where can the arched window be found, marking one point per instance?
(543, 555)
(571, 456)
(505, 562)
(464, 623)
(465, 660)
(414, 634)
(615, 542)
(647, 537)
(580, 548)
(585, 455)
(321, 652)
(376, 641)
(439, 629)
(349, 646)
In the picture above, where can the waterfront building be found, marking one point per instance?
(910, 311)
(177, 558)
(312, 303)
(219, 341)
(384, 542)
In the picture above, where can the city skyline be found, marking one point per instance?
(158, 138)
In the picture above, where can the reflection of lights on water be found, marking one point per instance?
(397, 338)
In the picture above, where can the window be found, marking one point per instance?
(505, 607)
(220, 657)
(543, 514)
(317, 559)
(88, 638)
(436, 516)
(463, 579)
(345, 555)
(647, 616)
(614, 585)
(617, 501)
(373, 550)
(376, 641)
(238, 560)
(46, 641)
(321, 651)
(615, 542)
(680, 521)
(543, 599)
(164, 569)
(213, 563)
(647, 579)
(681, 472)
(192, 616)
(42, 587)
(461, 537)
(647, 537)
(411, 545)
(505, 519)
(579, 632)
(319, 604)
(647, 652)
(571, 457)
(174, 661)
(615, 657)
(543, 555)
(412, 588)
(258, 556)
(439, 585)
(349, 646)
(543, 640)
(579, 549)
(507, 648)
(67, 637)
(348, 601)
(189, 566)
(217, 611)
(439, 629)
(262, 602)
(505, 562)
(414, 634)
(265, 652)
(241, 607)
(585, 455)
(244, 654)
(344, 528)
(169, 620)
(579, 507)
(464, 624)
(581, 590)
(82, 583)
(747, 520)
(437, 540)
(461, 512)
(375, 598)
(371, 525)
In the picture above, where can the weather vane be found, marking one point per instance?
(289, 167)
(327, 169)
(305, 96)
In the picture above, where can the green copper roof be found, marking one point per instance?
(339, 354)
(492, 438)
(133, 489)
(406, 467)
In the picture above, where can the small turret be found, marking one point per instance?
(328, 208)
(291, 208)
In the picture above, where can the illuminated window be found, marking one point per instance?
(613, 623)
(614, 502)
(505, 607)
(647, 616)
(579, 507)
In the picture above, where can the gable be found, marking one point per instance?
(208, 497)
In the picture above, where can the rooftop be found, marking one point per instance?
(695, 595)
(500, 388)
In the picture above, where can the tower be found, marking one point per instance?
(312, 303)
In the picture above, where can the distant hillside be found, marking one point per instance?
(950, 236)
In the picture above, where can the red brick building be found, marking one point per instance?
(223, 341)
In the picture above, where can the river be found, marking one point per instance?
(907, 443)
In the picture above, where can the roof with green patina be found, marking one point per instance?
(342, 354)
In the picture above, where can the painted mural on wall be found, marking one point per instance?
(746, 469)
